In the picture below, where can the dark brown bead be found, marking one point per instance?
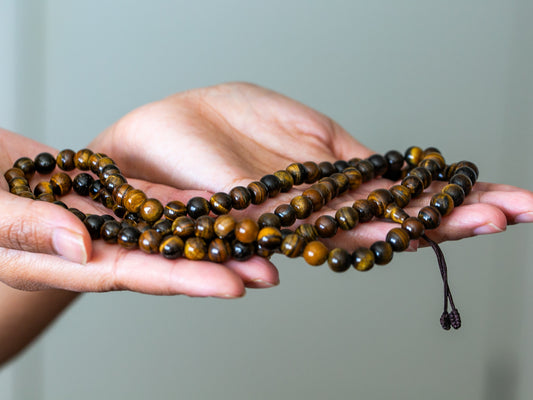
(347, 218)
(297, 172)
(285, 180)
(19, 189)
(44, 163)
(131, 216)
(119, 211)
(164, 227)
(81, 159)
(401, 194)
(365, 210)
(395, 213)
(456, 192)
(341, 165)
(432, 166)
(143, 226)
(204, 227)
(19, 182)
(108, 171)
(94, 159)
(442, 202)
(242, 251)
(423, 174)
(28, 194)
(363, 259)
(286, 214)
(104, 163)
(414, 184)
(430, 217)
(94, 190)
(81, 183)
(341, 181)
(258, 192)
(197, 206)
(353, 161)
(308, 232)
(183, 226)
(94, 223)
(413, 155)
(469, 172)
(151, 210)
(435, 156)
(120, 192)
(43, 187)
(469, 165)
(326, 168)
(263, 252)
(149, 241)
(220, 203)
(316, 198)
(272, 184)
(366, 168)
(109, 231)
(195, 248)
(49, 197)
(394, 160)
(61, 183)
(224, 226)
(312, 172)
(398, 238)
(339, 260)
(325, 189)
(303, 206)
(13, 173)
(171, 247)
(240, 197)
(65, 160)
(354, 178)
(133, 200)
(414, 227)
(380, 164)
(463, 181)
(174, 209)
(81, 216)
(315, 253)
(219, 251)
(382, 252)
(246, 230)
(447, 172)
(269, 238)
(379, 199)
(113, 182)
(269, 219)
(292, 245)
(331, 186)
(26, 165)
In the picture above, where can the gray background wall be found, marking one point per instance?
(455, 74)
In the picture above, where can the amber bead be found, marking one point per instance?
(463, 181)
(219, 251)
(61, 183)
(307, 232)
(94, 223)
(339, 260)
(442, 202)
(242, 251)
(315, 253)
(414, 184)
(149, 241)
(109, 231)
(49, 197)
(269, 237)
(325, 190)
(81, 216)
(171, 247)
(151, 210)
(174, 209)
(204, 227)
(258, 192)
(21, 190)
(286, 214)
(133, 200)
(26, 165)
(65, 160)
(269, 219)
(382, 252)
(183, 226)
(43, 187)
(272, 184)
(297, 172)
(120, 192)
(469, 165)
(414, 227)
(312, 172)
(422, 173)
(164, 227)
(331, 186)
(456, 192)
(44, 163)
(379, 199)
(13, 173)
(354, 177)
(363, 259)
(94, 190)
(292, 245)
(240, 197)
(224, 226)
(316, 198)
(81, 159)
(364, 209)
(398, 238)
(341, 165)
(246, 230)
(413, 155)
(430, 217)
(94, 159)
(347, 218)
(285, 180)
(366, 168)
(195, 248)
(395, 213)
(220, 203)
(326, 168)
(114, 182)
(303, 206)
(401, 194)
(81, 183)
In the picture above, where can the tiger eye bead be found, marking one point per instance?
(149, 241)
(269, 238)
(379, 199)
(286, 214)
(366, 168)
(174, 209)
(422, 173)
(26, 165)
(463, 181)
(331, 186)
(81, 216)
(246, 230)
(339, 260)
(303, 206)
(269, 219)
(285, 180)
(197, 206)
(220, 203)
(43, 187)
(119, 211)
(120, 192)
(414, 184)
(48, 197)
(326, 226)
(143, 226)
(224, 226)
(183, 226)
(242, 251)
(195, 248)
(380, 164)
(113, 182)
(272, 184)
(430, 217)
(315, 253)
(151, 210)
(468, 164)
(108, 171)
(44, 163)
(219, 251)
(94, 223)
(341, 165)
(413, 155)
(94, 190)
(382, 252)
(395, 213)
(316, 198)
(164, 227)
(326, 168)
(447, 173)
(432, 166)
(204, 227)
(65, 160)
(456, 192)
(81, 183)
(325, 190)
(81, 159)
(394, 165)
(297, 172)
(363, 259)
(13, 173)
(292, 245)
(258, 192)
(354, 177)
(171, 247)
(401, 194)
(133, 200)
(312, 172)
(18, 182)
(414, 227)
(104, 163)
(364, 209)
(435, 156)
(240, 197)
(347, 218)
(94, 159)
(442, 202)
(469, 172)
(27, 193)
(61, 183)
(308, 232)
(398, 238)
(341, 181)
(109, 231)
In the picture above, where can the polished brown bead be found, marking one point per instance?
(240, 197)
(13, 173)
(341, 181)
(414, 227)
(382, 252)
(49, 197)
(128, 237)
(435, 156)
(432, 166)
(103, 163)
(195, 248)
(363, 259)
(44, 163)
(325, 190)
(398, 238)
(354, 177)
(269, 219)
(395, 213)
(414, 184)
(312, 171)
(341, 165)
(143, 226)
(164, 227)
(94, 159)
(131, 216)
(134, 199)
(109, 231)
(347, 218)
(65, 160)
(220, 203)
(269, 237)
(303, 206)
(18, 182)
(469, 165)
(353, 161)
(242, 251)
(263, 252)
(149, 241)
(120, 192)
(365, 210)
(204, 227)
(463, 181)
(108, 171)
(380, 164)
(395, 163)
(197, 206)
(246, 230)
(469, 172)
(171, 247)
(339, 260)
(106, 199)
(286, 214)
(446, 173)
(119, 211)
(183, 226)
(94, 223)
(297, 172)
(316, 198)
(308, 232)
(81, 159)
(272, 184)
(326, 168)
(413, 155)
(61, 183)
(456, 192)
(26, 193)
(366, 168)
(442, 202)
(113, 182)
(219, 251)
(326, 226)
(430, 217)
(224, 226)
(27, 166)
(422, 173)
(94, 190)
(43, 187)
(292, 245)
(331, 186)
(81, 216)
(401, 194)
(315, 253)
(379, 199)
(258, 192)
(174, 209)
(18, 189)
(151, 210)
(285, 180)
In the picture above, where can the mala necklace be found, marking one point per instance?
(179, 229)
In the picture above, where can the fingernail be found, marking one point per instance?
(69, 245)
(524, 218)
(260, 284)
(486, 229)
(229, 296)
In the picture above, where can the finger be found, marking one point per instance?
(256, 272)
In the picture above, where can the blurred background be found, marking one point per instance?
(455, 75)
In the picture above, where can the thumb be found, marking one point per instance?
(42, 227)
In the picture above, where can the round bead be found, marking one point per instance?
(303, 206)
(297, 172)
(363, 259)
(341, 165)
(292, 245)
(149, 241)
(269, 219)
(219, 251)
(174, 209)
(113, 182)
(469, 165)
(94, 223)
(131, 216)
(325, 189)
(108, 171)
(380, 164)
(93, 161)
(65, 160)
(326, 226)
(133, 200)
(364, 209)
(143, 226)
(258, 192)
(151, 210)
(432, 166)
(240, 197)
(61, 183)
(354, 177)
(463, 181)
(422, 173)
(171, 247)
(316, 198)
(43, 187)
(195, 248)
(26, 165)
(183, 226)
(285, 180)
(272, 184)
(81, 159)
(109, 231)
(398, 238)
(456, 192)
(413, 155)
(435, 156)
(430, 217)
(414, 184)
(81, 183)
(401, 194)
(382, 252)
(242, 251)
(341, 181)
(353, 161)
(315, 253)
(119, 211)
(331, 187)
(326, 168)
(197, 206)
(49, 197)
(395, 213)
(469, 172)
(164, 227)
(307, 232)
(13, 173)
(204, 227)
(339, 260)
(94, 190)
(120, 192)
(224, 226)
(81, 216)
(286, 214)
(44, 163)
(347, 218)
(220, 203)
(442, 202)
(394, 164)
(312, 172)
(246, 230)
(414, 227)
(104, 163)
(379, 200)
(269, 238)
(366, 168)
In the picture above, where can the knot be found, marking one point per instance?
(455, 319)
(445, 321)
